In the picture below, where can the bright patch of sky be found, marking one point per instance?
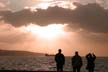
(21, 4)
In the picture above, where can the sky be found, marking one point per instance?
(48, 25)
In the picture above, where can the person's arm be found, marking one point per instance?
(81, 61)
(87, 56)
(64, 59)
(94, 56)
(73, 60)
(56, 58)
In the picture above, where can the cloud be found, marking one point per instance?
(91, 17)
(2, 5)
(103, 3)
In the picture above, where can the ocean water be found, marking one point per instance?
(47, 63)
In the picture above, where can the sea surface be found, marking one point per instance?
(45, 63)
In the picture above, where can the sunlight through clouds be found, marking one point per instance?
(42, 25)
(47, 32)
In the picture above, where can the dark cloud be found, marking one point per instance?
(90, 17)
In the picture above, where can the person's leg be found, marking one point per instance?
(78, 69)
(61, 68)
(57, 68)
(88, 70)
(74, 69)
(92, 70)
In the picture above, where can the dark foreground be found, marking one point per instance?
(27, 71)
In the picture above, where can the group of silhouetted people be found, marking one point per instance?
(76, 61)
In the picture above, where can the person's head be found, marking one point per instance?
(59, 50)
(89, 54)
(76, 53)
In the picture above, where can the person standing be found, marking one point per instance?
(76, 62)
(90, 62)
(60, 61)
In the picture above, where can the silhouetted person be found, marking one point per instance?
(76, 62)
(60, 61)
(90, 62)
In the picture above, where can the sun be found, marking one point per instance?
(47, 32)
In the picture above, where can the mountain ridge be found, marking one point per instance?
(19, 53)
